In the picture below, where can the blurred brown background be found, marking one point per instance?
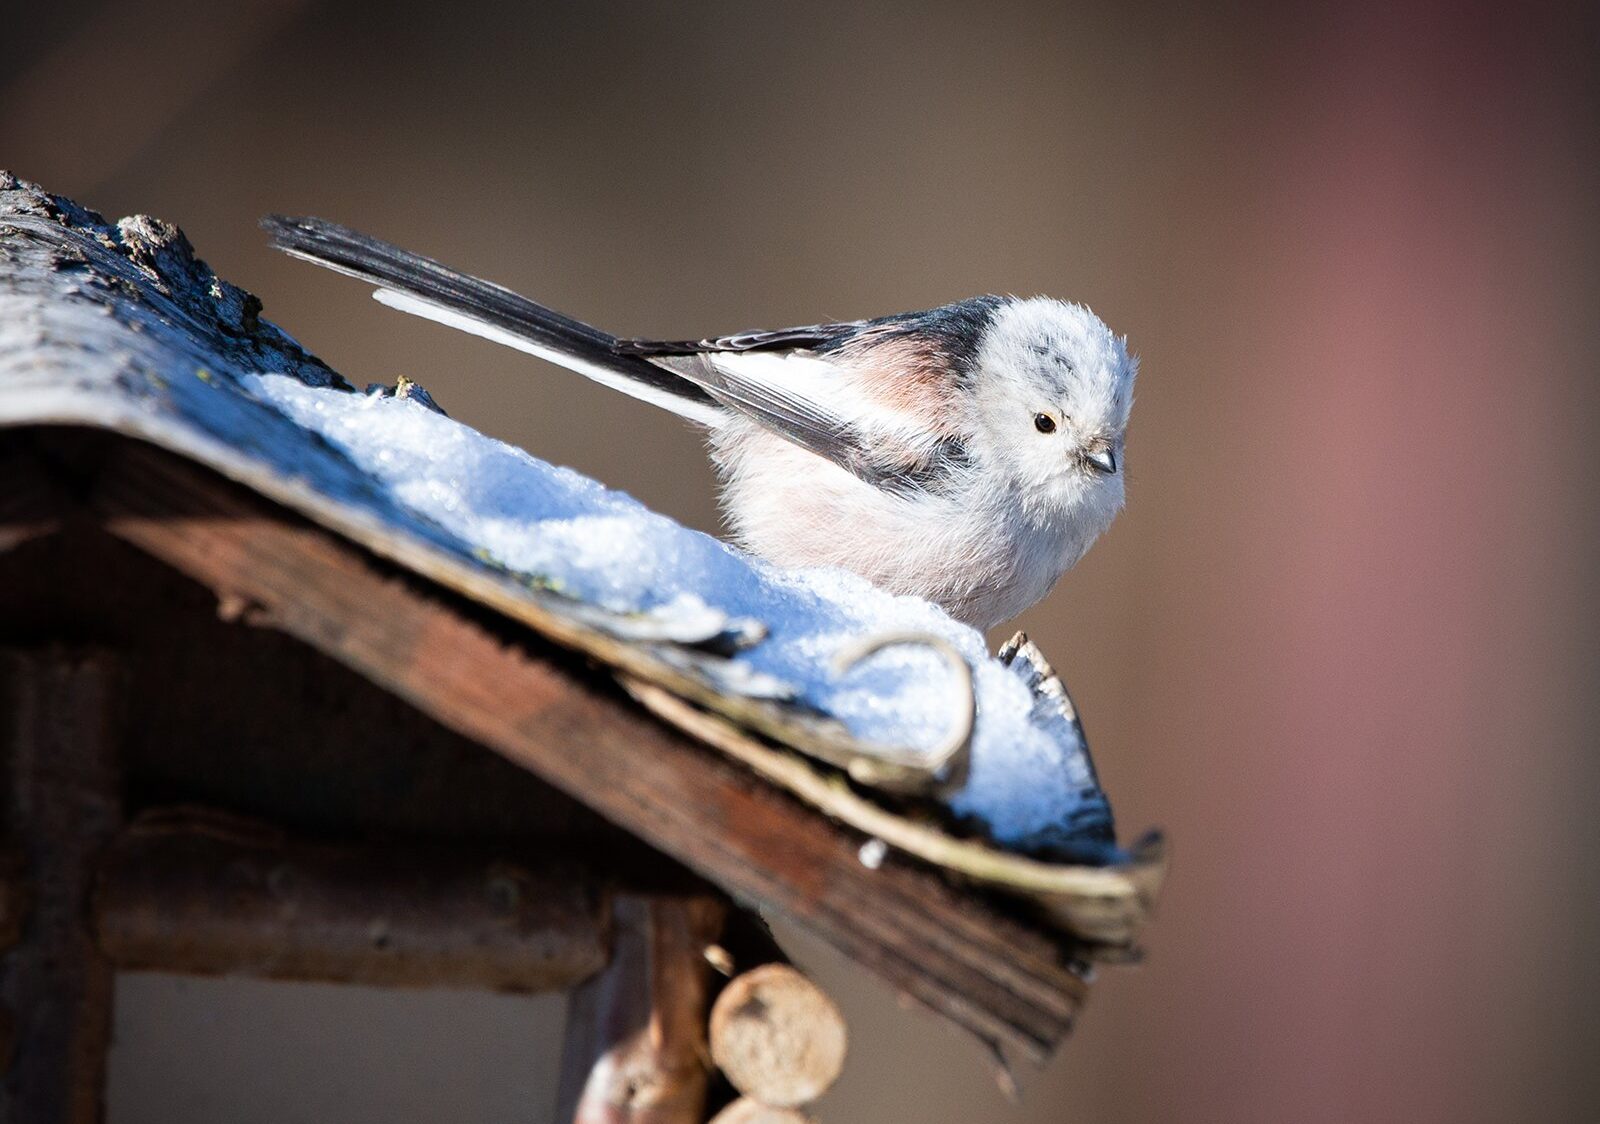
(1343, 643)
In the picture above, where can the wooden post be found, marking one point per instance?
(58, 717)
(636, 1033)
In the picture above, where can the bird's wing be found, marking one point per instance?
(828, 407)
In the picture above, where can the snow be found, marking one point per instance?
(1031, 786)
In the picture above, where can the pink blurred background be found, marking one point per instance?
(1342, 645)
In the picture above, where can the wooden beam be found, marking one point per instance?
(58, 719)
(971, 961)
(203, 894)
(635, 1050)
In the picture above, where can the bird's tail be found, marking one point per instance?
(423, 287)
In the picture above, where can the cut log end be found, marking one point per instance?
(746, 1111)
(778, 1037)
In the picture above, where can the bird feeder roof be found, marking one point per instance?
(120, 329)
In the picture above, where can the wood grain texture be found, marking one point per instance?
(953, 950)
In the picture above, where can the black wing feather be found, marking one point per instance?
(952, 329)
(806, 336)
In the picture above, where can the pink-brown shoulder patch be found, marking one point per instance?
(904, 373)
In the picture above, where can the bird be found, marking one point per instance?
(968, 454)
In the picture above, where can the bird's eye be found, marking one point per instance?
(1044, 423)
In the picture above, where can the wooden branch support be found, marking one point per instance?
(207, 895)
(635, 1049)
(58, 728)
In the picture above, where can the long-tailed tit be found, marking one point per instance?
(969, 454)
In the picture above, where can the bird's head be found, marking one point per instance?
(1052, 391)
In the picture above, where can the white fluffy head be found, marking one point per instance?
(1052, 389)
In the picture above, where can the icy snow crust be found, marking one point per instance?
(604, 547)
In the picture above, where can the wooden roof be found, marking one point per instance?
(117, 410)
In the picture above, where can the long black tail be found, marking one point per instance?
(459, 297)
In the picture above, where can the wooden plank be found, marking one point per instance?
(206, 894)
(635, 1050)
(58, 719)
(988, 971)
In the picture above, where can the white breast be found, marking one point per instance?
(972, 553)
